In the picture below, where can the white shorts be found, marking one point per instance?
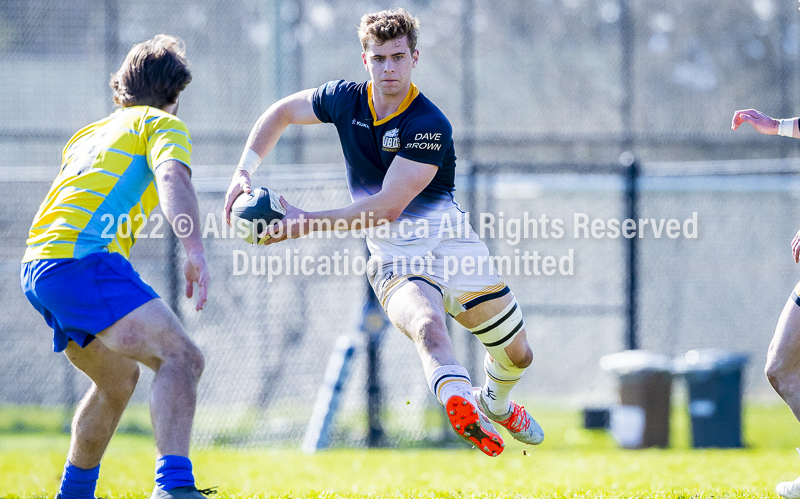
(458, 267)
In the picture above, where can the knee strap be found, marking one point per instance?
(499, 331)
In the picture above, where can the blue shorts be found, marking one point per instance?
(81, 297)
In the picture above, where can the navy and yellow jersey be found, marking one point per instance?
(105, 189)
(417, 131)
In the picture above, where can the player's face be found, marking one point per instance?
(390, 65)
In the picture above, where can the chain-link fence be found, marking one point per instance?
(718, 278)
(578, 81)
(547, 80)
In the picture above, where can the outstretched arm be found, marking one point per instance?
(295, 109)
(764, 124)
(404, 180)
(769, 126)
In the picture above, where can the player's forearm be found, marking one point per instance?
(784, 127)
(370, 212)
(268, 129)
(179, 204)
(295, 109)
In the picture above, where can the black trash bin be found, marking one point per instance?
(714, 381)
(645, 387)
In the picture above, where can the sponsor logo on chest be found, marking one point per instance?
(391, 140)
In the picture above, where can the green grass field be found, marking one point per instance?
(571, 463)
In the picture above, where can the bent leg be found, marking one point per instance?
(518, 351)
(783, 372)
(783, 357)
(499, 325)
(152, 335)
(417, 310)
(113, 378)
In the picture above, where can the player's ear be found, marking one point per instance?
(364, 60)
(414, 58)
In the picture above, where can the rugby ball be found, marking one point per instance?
(252, 213)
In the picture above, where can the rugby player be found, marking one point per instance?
(783, 356)
(75, 270)
(400, 162)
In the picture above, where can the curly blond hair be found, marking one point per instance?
(386, 25)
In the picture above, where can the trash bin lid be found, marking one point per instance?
(633, 361)
(710, 359)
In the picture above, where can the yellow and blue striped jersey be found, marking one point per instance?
(105, 190)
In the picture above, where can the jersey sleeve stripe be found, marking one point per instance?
(164, 130)
(57, 241)
(178, 146)
(80, 189)
(173, 159)
(56, 224)
(79, 208)
(111, 149)
(106, 172)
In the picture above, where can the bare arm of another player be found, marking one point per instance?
(295, 109)
(768, 126)
(179, 204)
(796, 247)
(404, 180)
(761, 122)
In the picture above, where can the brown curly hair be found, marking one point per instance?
(388, 25)
(154, 73)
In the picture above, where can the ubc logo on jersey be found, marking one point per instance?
(425, 145)
(391, 140)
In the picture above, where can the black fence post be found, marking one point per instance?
(70, 397)
(467, 145)
(627, 44)
(631, 198)
(111, 43)
(287, 70)
(174, 273)
(373, 324)
(376, 433)
(471, 343)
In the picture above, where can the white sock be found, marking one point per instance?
(499, 382)
(446, 381)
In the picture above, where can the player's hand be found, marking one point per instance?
(760, 121)
(796, 247)
(196, 272)
(293, 225)
(239, 183)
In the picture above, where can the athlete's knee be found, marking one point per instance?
(132, 379)
(120, 388)
(775, 374)
(500, 336)
(192, 360)
(784, 377)
(182, 354)
(198, 361)
(429, 333)
(522, 357)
